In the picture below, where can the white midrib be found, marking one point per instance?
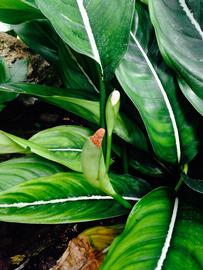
(191, 17)
(64, 150)
(64, 200)
(168, 105)
(168, 237)
(89, 32)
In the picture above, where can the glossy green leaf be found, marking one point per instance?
(62, 144)
(76, 22)
(162, 232)
(63, 198)
(151, 87)
(179, 33)
(39, 36)
(139, 78)
(17, 170)
(87, 109)
(17, 11)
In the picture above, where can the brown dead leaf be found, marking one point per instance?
(87, 251)
(79, 256)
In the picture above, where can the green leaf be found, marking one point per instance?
(39, 36)
(62, 144)
(193, 98)
(154, 236)
(94, 167)
(18, 11)
(4, 71)
(194, 184)
(17, 170)
(151, 87)
(75, 72)
(76, 22)
(180, 42)
(142, 161)
(147, 166)
(63, 198)
(63, 98)
(8, 146)
(87, 109)
(16, 73)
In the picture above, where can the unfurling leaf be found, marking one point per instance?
(112, 109)
(94, 167)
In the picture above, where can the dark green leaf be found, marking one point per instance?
(63, 98)
(17, 11)
(195, 184)
(39, 36)
(75, 74)
(76, 22)
(179, 33)
(139, 79)
(4, 71)
(87, 109)
(194, 99)
(5, 77)
(151, 87)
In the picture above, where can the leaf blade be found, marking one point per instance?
(62, 198)
(17, 11)
(17, 170)
(151, 249)
(186, 33)
(141, 82)
(62, 144)
(88, 35)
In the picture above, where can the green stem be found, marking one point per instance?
(106, 186)
(102, 103)
(108, 152)
(185, 170)
(125, 160)
(122, 201)
(102, 107)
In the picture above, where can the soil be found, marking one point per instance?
(39, 70)
(24, 246)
